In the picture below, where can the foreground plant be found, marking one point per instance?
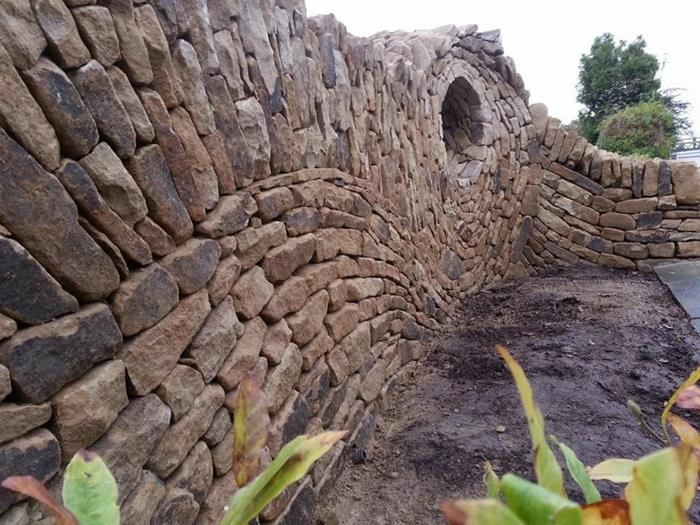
(90, 491)
(659, 488)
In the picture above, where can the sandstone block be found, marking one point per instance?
(245, 354)
(157, 238)
(252, 121)
(251, 293)
(220, 426)
(281, 379)
(20, 33)
(373, 382)
(642, 205)
(689, 249)
(342, 322)
(357, 343)
(180, 389)
(308, 321)
(193, 264)
(620, 221)
(225, 276)
(132, 105)
(337, 294)
(253, 243)
(273, 203)
(362, 288)
(318, 346)
(281, 262)
(686, 183)
(191, 78)
(616, 261)
(288, 297)
(195, 474)
(97, 29)
(338, 365)
(5, 385)
(230, 216)
(177, 507)
(577, 210)
(131, 45)
(214, 143)
(59, 28)
(650, 182)
(139, 507)
(20, 419)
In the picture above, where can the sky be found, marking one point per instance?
(546, 38)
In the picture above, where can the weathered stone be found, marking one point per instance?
(97, 29)
(214, 143)
(337, 295)
(579, 211)
(254, 129)
(254, 243)
(341, 323)
(177, 507)
(157, 239)
(195, 474)
(222, 454)
(255, 41)
(5, 384)
(338, 365)
(637, 205)
(85, 409)
(650, 184)
(272, 203)
(373, 382)
(202, 38)
(281, 262)
(213, 507)
(153, 354)
(277, 339)
(689, 249)
(251, 293)
(177, 441)
(219, 427)
(686, 182)
(139, 507)
(59, 28)
(113, 122)
(107, 246)
(180, 389)
(35, 454)
(616, 261)
(20, 33)
(301, 220)
(150, 170)
(289, 422)
(63, 107)
(231, 57)
(193, 264)
(362, 288)
(27, 292)
(43, 358)
(144, 299)
(189, 73)
(319, 345)
(230, 216)
(617, 220)
(132, 47)
(308, 321)
(245, 354)
(224, 278)
(20, 419)
(357, 345)
(280, 380)
(288, 297)
(132, 105)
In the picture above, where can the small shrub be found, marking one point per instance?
(645, 129)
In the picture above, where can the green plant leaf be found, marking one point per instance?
(493, 483)
(536, 505)
(692, 379)
(616, 470)
(479, 512)
(578, 472)
(547, 469)
(290, 465)
(686, 432)
(607, 512)
(32, 487)
(89, 490)
(251, 428)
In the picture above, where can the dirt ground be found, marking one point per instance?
(588, 338)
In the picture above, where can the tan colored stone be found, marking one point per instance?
(230, 216)
(177, 507)
(97, 29)
(20, 419)
(686, 183)
(288, 297)
(281, 262)
(277, 339)
(343, 321)
(308, 321)
(214, 143)
(139, 507)
(190, 75)
(157, 239)
(689, 249)
(131, 44)
(225, 276)
(254, 129)
(59, 28)
(132, 105)
(318, 346)
(251, 293)
(179, 390)
(254, 243)
(20, 33)
(195, 474)
(245, 354)
(281, 379)
(193, 264)
(620, 221)
(273, 203)
(637, 205)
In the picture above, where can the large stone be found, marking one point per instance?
(224, 278)
(289, 422)
(150, 170)
(133, 49)
(308, 321)
(157, 238)
(274, 202)
(620, 221)
(63, 107)
(686, 183)
(230, 216)
(144, 299)
(281, 379)
(35, 454)
(180, 389)
(319, 345)
(20, 114)
(215, 340)
(193, 264)
(245, 354)
(637, 205)
(254, 243)
(20, 33)
(132, 105)
(129, 441)
(99, 96)
(251, 293)
(362, 288)
(177, 507)
(301, 220)
(97, 29)
(356, 346)
(153, 354)
(221, 162)
(59, 28)
(202, 38)
(195, 474)
(191, 79)
(27, 292)
(222, 454)
(139, 507)
(277, 339)
(281, 262)
(342, 322)
(85, 409)
(214, 506)
(254, 36)
(254, 128)
(44, 358)
(177, 441)
(20, 419)
(288, 297)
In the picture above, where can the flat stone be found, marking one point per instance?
(252, 121)
(193, 264)
(281, 379)
(20, 33)
(231, 57)
(620, 221)
(318, 346)
(301, 220)
(308, 321)
(132, 105)
(245, 354)
(35, 454)
(61, 33)
(27, 292)
(356, 346)
(342, 322)
(251, 293)
(254, 243)
(43, 358)
(362, 288)
(273, 203)
(20, 419)
(113, 122)
(214, 144)
(338, 294)
(225, 276)
(158, 240)
(177, 507)
(139, 507)
(642, 205)
(689, 249)
(215, 340)
(150, 171)
(288, 297)
(5, 384)
(277, 339)
(21, 114)
(202, 37)
(179, 439)
(107, 246)
(180, 389)
(84, 410)
(319, 275)
(144, 299)
(686, 182)
(256, 42)
(195, 474)
(683, 279)
(220, 426)
(230, 216)
(97, 29)
(63, 107)
(189, 73)
(153, 354)
(222, 455)
(134, 55)
(213, 507)
(129, 441)
(281, 262)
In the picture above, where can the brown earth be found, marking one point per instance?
(588, 338)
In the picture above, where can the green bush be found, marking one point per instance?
(646, 129)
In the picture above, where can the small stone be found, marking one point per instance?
(139, 507)
(686, 183)
(20, 419)
(222, 455)
(224, 278)
(689, 249)
(195, 474)
(230, 216)
(20, 33)
(280, 380)
(177, 507)
(180, 389)
(245, 354)
(132, 105)
(252, 121)
(5, 384)
(281, 262)
(59, 28)
(251, 293)
(190, 75)
(219, 427)
(277, 339)
(308, 321)
(132, 47)
(97, 29)
(319, 345)
(342, 322)
(362, 288)
(158, 240)
(288, 297)
(272, 203)
(193, 264)
(220, 492)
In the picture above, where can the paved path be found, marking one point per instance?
(683, 278)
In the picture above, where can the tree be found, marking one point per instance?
(644, 129)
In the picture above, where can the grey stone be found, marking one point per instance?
(177, 507)
(59, 28)
(139, 507)
(189, 73)
(195, 474)
(97, 29)
(230, 216)
(132, 105)
(193, 264)
(157, 239)
(180, 389)
(20, 33)
(20, 419)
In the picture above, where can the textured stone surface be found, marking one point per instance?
(20, 33)
(189, 73)
(61, 33)
(126, 94)
(180, 389)
(139, 507)
(131, 44)
(230, 216)
(308, 321)
(193, 264)
(195, 474)
(20, 419)
(245, 354)
(97, 29)
(280, 262)
(251, 292)
(281, 379)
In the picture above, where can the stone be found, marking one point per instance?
(254, 36)
(373, 382)
(177, 507)
(86, 195)
(661, 250)
(150, 171)
(251, 293)
(339, 365)
(272, 203)
(219, 427)
(245, 354)
(97, 29)
(620, 221)
(222, 455)
(579, 211)
(301, 220)
(281, 262)
(616, 261)
(22, 116)
(202, 37)
(20, 419)
(213, 507)
(288, 297)
(252, 121)
(179, 439)
(215, 340)
(337, 295)
(686, 183)
(254, 243)
(189, 73)
(84, 410)
(214, 143)
(688, 249)
(195, 474)
(61, 33)
(20, 33)
(144, 299)
(43, 358)
(318, 346)
(225, 276)
(356, 345)
(180, 389)
(27, 292)
(132, 105)
(5, 384)
(35, 454)
(289, 422)
(63, 107)
(650, 182)
(158, 240)
(133, 51)
(153, 354)
(362, 288)
(8, 328)
(342, 322)
(113, 122)
(281, 379)
(193, 264)
(139, 507)
(230, 216)
(277, 339)
(642, 205)
(107, 246)
(308, 321)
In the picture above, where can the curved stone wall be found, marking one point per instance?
(192, 190)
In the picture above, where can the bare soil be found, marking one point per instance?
(588, 338)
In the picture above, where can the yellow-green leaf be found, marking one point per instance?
(686, 432)
(493, 483)
(578, 472)
(536, 505)
(479, 512)
(607, 512)
(547, 469)
(690, 464)
(616, 470)
(692, 379)
(251, 427)
(90, 491)
(32, 487)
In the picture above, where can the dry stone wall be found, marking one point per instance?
(192, 190)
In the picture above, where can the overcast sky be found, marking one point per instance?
(547, 37)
